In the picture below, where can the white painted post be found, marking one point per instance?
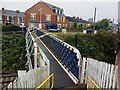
(83, 77)
(108, 75)
(115, 77)
(35, 52)
(111, 76)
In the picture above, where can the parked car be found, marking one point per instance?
(53, 30)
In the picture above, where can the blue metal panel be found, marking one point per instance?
(66, 56)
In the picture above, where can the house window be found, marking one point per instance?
(58, 19)
(7, 18)
(48, 17)
(61, 12)
(63, 25)
(10, 19)
(32, 16)
(58, 11)
(18, 19)
(54, 10)
(63, 19)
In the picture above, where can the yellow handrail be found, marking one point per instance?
(45, 82)
(93, 82)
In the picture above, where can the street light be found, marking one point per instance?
(40, 25)
(94, 19)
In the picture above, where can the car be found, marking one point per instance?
(53, 30)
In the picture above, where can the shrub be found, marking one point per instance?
(10, 28)
(99, 46)
(13, 52)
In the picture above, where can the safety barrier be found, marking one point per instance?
(38, 65)
(100, 73)
(45, 83)
(68, 56)
(89, 82)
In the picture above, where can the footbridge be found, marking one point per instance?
(64, 59)
(54, 64)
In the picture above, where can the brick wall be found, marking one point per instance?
(45, 10)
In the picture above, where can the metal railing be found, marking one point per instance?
(66, 54)
(45, 83)
(94, 84)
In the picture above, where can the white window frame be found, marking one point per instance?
(18, 19)
(48, 17)
(58, 19)
(7, 18)
(63, 19)
(33, 16)
(63, 25)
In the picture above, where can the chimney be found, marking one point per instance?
(3, 9)
(74, 17)
(77, 17)
(17, 11)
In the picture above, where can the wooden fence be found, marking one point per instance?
(34, 77)
(37, 74)
(30, 79)
(102, 73)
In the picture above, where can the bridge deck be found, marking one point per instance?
(61, 78)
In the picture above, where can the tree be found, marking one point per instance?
(75, 25)
(90, 20)
(103, 24)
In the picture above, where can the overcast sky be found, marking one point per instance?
(81, 8)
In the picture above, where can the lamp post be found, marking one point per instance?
(94, 19)
(40, 25)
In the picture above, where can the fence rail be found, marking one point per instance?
(93, 83)
(46, 82)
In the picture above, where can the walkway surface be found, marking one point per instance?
(61, 78)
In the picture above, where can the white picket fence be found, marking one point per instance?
(102, 73)
(35, 76)
(30, 79)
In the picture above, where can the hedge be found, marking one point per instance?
(101, 46)
(13, 52)
(11, 28)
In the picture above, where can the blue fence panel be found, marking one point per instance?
(64, 54)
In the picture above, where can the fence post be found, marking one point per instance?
(35, 51)
(35, 54)
(117, 65)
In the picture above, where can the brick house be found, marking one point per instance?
(46, 14)
(71, 20)
(12, 17)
